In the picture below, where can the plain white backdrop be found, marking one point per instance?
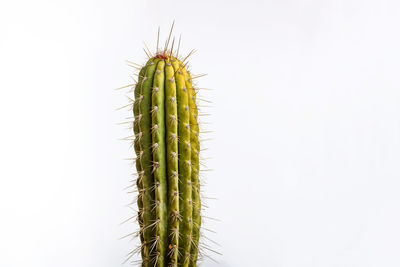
(305, 148)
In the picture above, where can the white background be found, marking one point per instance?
(306, 124)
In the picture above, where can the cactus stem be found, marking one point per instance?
(167, 146)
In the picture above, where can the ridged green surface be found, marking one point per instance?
(167, 149)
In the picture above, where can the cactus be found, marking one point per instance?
(167, 148)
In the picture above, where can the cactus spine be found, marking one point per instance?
(167, 148)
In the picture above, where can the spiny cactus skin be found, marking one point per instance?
(167, 148)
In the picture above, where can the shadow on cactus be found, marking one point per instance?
(166, 142)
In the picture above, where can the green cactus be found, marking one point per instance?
(167, 148)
